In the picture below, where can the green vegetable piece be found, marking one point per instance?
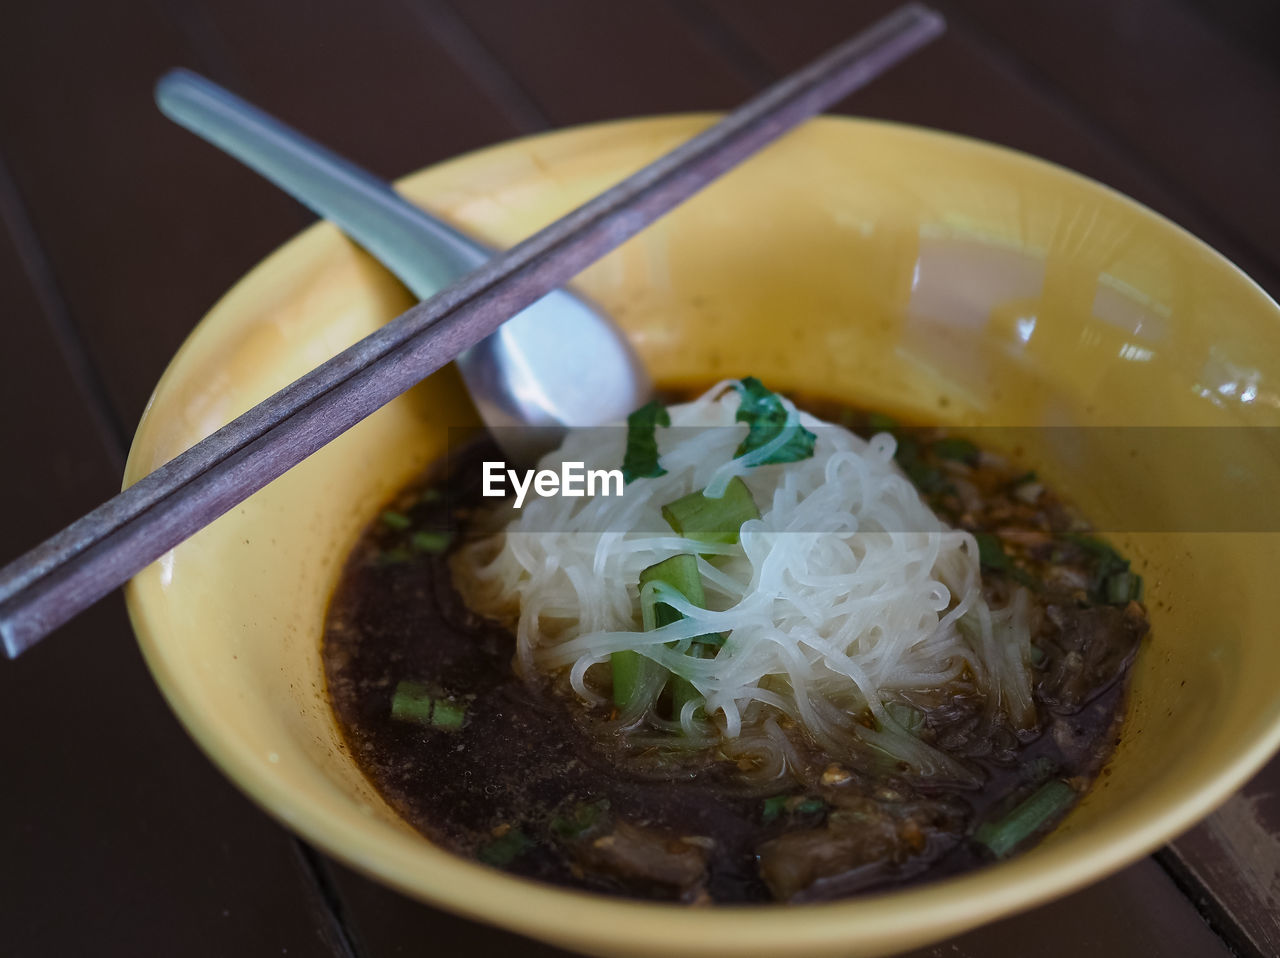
(580, 819)
(430, 495)
(411, 702)
(712, 520)
(961, 450)
(396, 520)
(681, 573)
(766, 417)
(811, 805)
(505, 849)
(432, 543)
(879, 422)
(448, 715)
(640, 461)
(631, 672)
(1124, 587)
(1107, 565)
(991, 553)
(910, 718)
(773, 807)
(1023, 479)
(1046, 803)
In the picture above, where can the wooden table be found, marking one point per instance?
(120, 231)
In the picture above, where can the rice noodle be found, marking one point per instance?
(845, 593)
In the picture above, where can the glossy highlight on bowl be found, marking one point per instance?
(935, 278)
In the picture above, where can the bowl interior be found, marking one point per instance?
(928, 276)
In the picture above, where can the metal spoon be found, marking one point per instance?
(561, 362)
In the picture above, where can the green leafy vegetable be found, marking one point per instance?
(631, 670)
(396, 520)
(991, 553)
(766, 417)
(924, 476)
(1046, 803)
(641, 458)
(504, 849)
(712, 520)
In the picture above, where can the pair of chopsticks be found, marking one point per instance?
(72, 570)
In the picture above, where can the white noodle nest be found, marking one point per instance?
(845, 593)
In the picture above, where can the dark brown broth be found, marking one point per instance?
(528, 783)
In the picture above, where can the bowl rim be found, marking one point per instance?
(553, 913)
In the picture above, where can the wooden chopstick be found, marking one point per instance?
(73, 569)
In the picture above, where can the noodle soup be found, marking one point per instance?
(803, 656)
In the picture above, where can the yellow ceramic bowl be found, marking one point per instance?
(925, 275)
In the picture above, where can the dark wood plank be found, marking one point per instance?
(1229, 865)
(1162, 80)
(581, 60)
(965, 84)
(1136, 912)
(118, 837)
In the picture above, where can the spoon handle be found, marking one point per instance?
(524, 374)
(425, 253)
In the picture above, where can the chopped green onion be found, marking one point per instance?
(773, 807)
(1124, 587)
(411, 702)
(631, 671)
(581, 818)
(712, 520)
(640, 461)
(505, 849)
(430, 495)
(766, 417)
(448, 715)
(432, 543)
(1046, 803)
(810, 805)
(1111, 581)
(952, 447)
(879, 422)
(396, 520)
(991, 553)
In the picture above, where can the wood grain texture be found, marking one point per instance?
(116, 835)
